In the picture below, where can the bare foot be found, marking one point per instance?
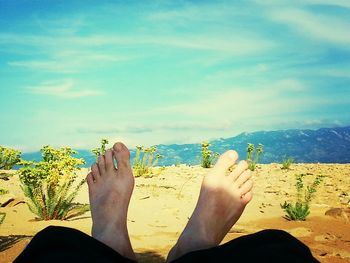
(223, 197)
(110, 191)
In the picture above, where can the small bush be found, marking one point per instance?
(287, 162)
(3, 191)
(100, 150)
(208, 157)
(50, 185)
(301, 209)
(2, 217)
(8, 157)
(253, 155)
(145, 158)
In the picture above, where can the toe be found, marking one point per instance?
(245, 176)
(90, 181)
(246, 187)
(122, 155)
(95, 172)
(109, 160)
(247, 197)
(101, 164)
(226, 160)
(241, 167)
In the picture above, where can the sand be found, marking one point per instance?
(161, 206)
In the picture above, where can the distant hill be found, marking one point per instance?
(325, 145)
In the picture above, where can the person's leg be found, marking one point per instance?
(223, 197)
(264, 246)
(62, 244)
(110, 190)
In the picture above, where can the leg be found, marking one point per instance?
(110, 191)
(62, 244)
(223, 197)
(264, 246)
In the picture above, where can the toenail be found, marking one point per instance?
(231, 154)
(117, 147)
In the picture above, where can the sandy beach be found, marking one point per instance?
(161, 206)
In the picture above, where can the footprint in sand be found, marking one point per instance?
(300, 232)
(325, 238)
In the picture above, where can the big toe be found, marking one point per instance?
(122, 155)
(226, 160)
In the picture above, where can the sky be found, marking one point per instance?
(160, 72)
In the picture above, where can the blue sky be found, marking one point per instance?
(150, 72)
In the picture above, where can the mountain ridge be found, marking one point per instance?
(324, 145)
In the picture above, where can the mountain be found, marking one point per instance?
(325, 145)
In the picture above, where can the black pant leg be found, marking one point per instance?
(264, 246)
(61, 244)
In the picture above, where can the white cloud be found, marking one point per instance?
(64, 89)
(340, 73)
(289, 85)
(149, 128)
(303, 3)
(45, 65)
(322, 27)
(241, 104)
(214, 42)
(340, 3)
(71, 61)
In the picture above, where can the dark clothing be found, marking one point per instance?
(61, 244)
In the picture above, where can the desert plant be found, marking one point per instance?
(8, 157)
(208, 157)
(50, 186)
(100, 150)
(2, 217)
(253, 155)
(301, 208)
(287, 162)
(2, 214)
(145, 158)
(3, 191)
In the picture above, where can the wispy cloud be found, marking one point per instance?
(149, 128)
(322, 27)
(74, 54)
(64, 89)
(72, 60)
(262, 103)
(231, 44)
(207, 12)
(341, 3)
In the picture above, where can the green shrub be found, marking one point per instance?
(287, 162)
(2, 214)
(177, 161)
(3, 191)
(2, 217)
(253, 155)
(100, 150)
(145, 158)
(50, 184)
(8, 157)
(301, 208)
(208, 157)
